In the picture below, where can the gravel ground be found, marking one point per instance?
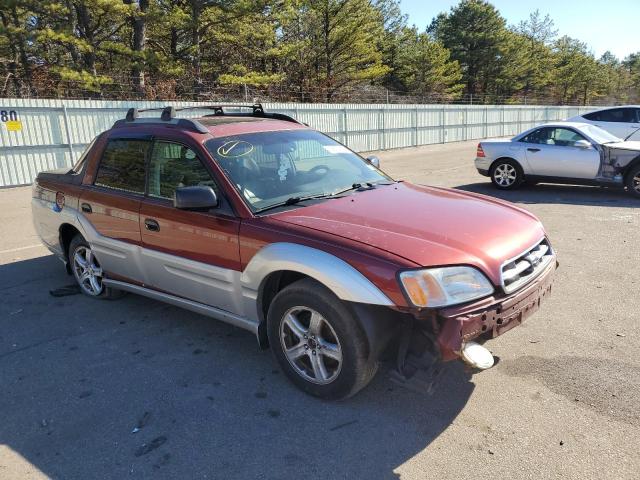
(80, 376)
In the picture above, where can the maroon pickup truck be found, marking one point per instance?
(260, 221)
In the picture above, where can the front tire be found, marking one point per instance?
(87, 271)
(506, 174)
(632, 181)
(318, 342)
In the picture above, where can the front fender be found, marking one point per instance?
(342, 279)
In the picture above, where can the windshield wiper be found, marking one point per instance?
(363, 186)
(294, 200)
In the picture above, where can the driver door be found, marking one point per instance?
(552, 152)
(191, 254)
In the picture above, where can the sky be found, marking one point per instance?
(611, 25)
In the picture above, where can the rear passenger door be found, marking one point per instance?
(190, 254)
(110, 203)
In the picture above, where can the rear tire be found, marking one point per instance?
(87, 271)
(506, 174)
(632, 181)
(318, 342)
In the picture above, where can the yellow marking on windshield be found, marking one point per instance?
(225, 150)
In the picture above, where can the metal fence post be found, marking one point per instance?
(443, 127)
(345, 129)
(465, 122)
(502, 122)
(415, 127)
(486, 126)
(384, 132)
(68, 130)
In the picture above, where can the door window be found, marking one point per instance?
(122, 165)
(563, 137)
(619, 115)
(173, 165)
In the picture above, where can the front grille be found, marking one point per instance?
(524, 268)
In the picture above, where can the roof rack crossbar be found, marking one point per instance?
(256, 108)
(169, 115)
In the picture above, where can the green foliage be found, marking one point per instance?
(425, 68)
(308, 50)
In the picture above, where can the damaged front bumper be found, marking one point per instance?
(491, 316)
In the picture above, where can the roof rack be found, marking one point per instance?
(169, 115)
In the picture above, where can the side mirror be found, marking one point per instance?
(582, 144)
(373, 160)
(199, 197)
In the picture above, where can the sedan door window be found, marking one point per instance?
(617, 115)
(558, 136)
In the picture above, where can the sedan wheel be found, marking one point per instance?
(632, 181)
(87, 271)
(506, 175)
(311, 345)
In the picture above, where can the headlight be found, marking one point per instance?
(439, 287)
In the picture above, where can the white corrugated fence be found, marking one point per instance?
(40, 134)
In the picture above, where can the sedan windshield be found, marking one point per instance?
(599, 135)
(272, 168)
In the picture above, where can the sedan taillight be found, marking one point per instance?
(480, 152)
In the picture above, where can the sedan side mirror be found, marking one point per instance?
(199, 197)
(582, 144)
(373, 160)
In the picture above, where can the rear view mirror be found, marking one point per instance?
(199, 197)
(582, 144)
(373, 160)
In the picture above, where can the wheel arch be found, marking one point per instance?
(503, 158)
(632, 164)
(67, 232)
(280, 264)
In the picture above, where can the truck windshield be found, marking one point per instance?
(269, 168)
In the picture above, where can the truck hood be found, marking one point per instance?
(426, 225)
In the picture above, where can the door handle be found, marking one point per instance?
(86, 208)
(151, 225)
(533, 149)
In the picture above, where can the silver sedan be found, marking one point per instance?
(564, 152)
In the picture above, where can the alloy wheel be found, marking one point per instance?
(87, 271)
(505, 175)
(311, 345)
(635, 183)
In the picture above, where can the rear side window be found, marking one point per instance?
(173, 165)
(122, 165)
(622, 115)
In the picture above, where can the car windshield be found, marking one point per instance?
(599, 135)
(270, 168)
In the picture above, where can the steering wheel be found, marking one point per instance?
(319, 170)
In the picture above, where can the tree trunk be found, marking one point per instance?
(84, 25)
(24, 59)
(12, 66)
(195, 42)
(139, 26)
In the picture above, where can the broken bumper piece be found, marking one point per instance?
(492, 316)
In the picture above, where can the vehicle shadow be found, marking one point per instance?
(558, 194)
(133, 387)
